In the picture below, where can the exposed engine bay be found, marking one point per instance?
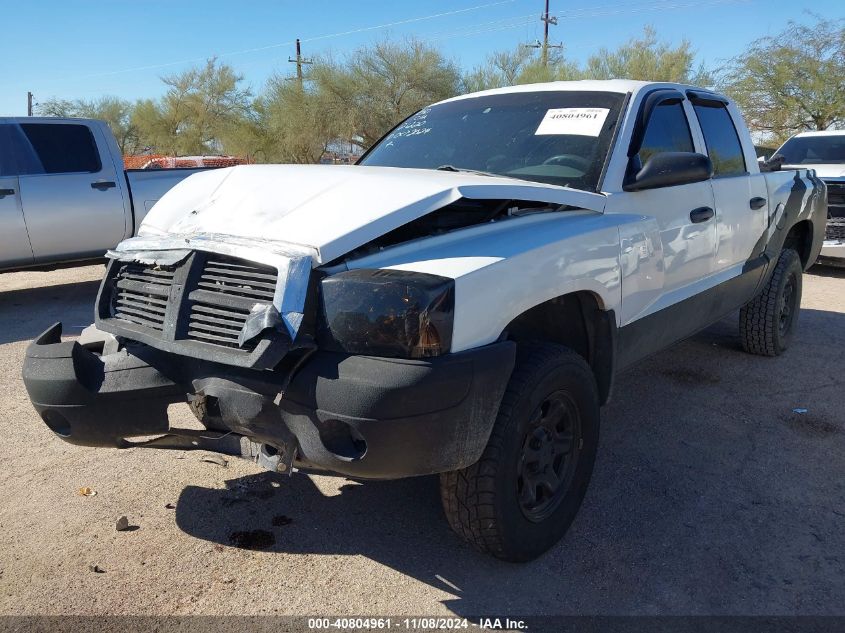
(462, 213)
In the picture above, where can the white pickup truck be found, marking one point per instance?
(458, 302)
(823, 152)
(64, 195)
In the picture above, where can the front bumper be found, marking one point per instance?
(359, 416)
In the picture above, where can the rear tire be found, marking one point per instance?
(767, 323)
(518, 500)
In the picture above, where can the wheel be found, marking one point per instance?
(519, 499)
(767, 323)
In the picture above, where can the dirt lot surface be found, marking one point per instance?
(710, 496)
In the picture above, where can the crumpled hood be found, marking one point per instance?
(332, 209)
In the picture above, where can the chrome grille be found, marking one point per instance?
(141, 295)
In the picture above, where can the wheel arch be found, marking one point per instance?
(579, 321)
(800, 238)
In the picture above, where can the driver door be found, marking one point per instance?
(683, 217)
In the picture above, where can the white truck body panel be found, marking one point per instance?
(502, 269)
(636, 252)
(332, 209)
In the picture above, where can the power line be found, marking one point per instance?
(306, 39)
(571, 14)
(483, 28)
(666, 5)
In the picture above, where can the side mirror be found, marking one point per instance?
(670, 168)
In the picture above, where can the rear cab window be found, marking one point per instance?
(721, 139)
(55, 148)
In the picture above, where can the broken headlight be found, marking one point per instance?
(387, 313)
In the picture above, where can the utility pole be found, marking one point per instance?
(546, 19)
(28, 104)
(299, 61)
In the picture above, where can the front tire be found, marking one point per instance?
(767, 323)
(519, 499)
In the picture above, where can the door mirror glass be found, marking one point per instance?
(668, 169)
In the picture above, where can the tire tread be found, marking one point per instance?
(468, 494)
(758, 319)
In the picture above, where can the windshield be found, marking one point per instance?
(561, 138)
(810, 150)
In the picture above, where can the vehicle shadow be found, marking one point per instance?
(821, 270)
(683, 515)
(27, 312)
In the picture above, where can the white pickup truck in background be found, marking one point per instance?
(825, 153)
(64, 195)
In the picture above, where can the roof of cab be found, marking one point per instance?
(621, 86)
(822, 133)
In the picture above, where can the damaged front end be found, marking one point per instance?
(181, 317)
(94, 394)
(349, 373)
(194, 297)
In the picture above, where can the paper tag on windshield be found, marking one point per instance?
(578, 121)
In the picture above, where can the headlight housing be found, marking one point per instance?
(392, 313)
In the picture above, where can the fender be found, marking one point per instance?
(503, 269)
(794, 197)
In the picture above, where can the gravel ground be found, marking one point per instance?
(710, 496)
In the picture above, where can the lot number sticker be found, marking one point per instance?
(578, 121)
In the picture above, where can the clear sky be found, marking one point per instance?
(89, 48)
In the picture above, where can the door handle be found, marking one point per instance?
(102, 185)
(757, 203)
(6, 192)
(701, 214)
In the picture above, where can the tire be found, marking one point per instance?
(207, 413)
(767, 323)
(199, 409)
(489, 504)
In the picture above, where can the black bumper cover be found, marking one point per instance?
(359, 416)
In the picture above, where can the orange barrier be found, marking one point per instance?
(160, 161)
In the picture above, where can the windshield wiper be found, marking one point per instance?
(474, 171)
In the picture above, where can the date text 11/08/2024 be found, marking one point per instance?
(416, 624)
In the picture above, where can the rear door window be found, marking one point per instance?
(59, 149)
(722, 141)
